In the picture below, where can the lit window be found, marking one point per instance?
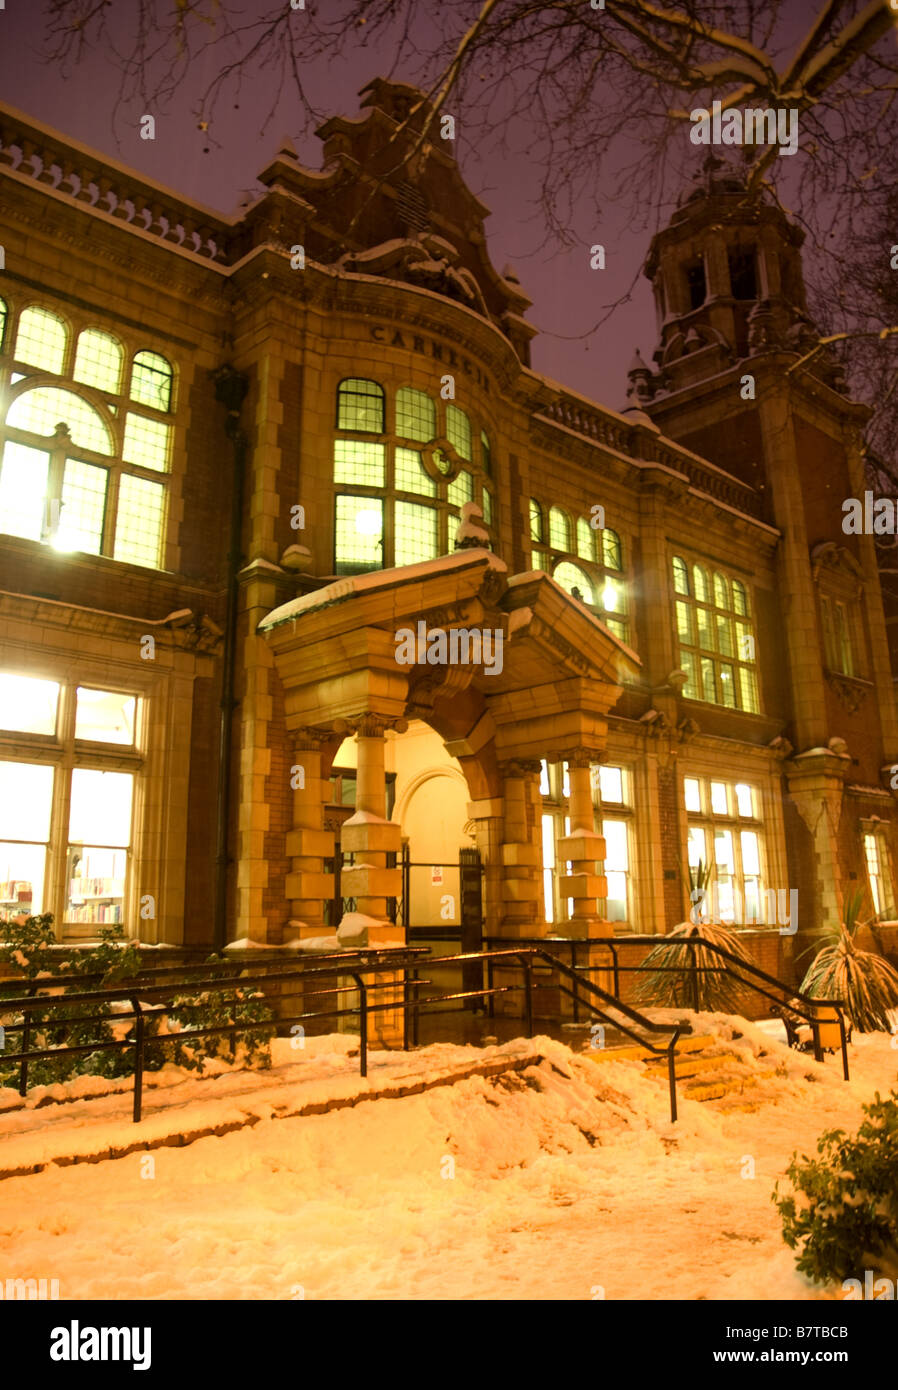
(458, 431)
(461, 490)
(536, 521)
(559, 529)
(40, 410)
(612, 553)
(146, 442)
(617, 869)
(26, 798)
(83, 508)
(28, 705)
(486, 451)
(23, 491)
(586, 539)
(611, 787)
(98, 361)
(359, 463)
(358, 534)
(99, 838)
(416, 416)
(151, 381)
(410, 473)
(104, 716)
(838, 648)
(415, 533)
(733, 853)
(716, 638)
(575, 581)
(141, 521)
(487, 507)
(879, 878)
(360, 406)
(41, 340)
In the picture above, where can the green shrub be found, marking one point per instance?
(841, 1213)
(28, 945)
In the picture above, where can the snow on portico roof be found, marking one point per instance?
(352, 585)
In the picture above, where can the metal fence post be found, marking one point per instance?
(26, 1043)
(363, 1021)
(138, 1059)
(528, 985)
(696, 1003)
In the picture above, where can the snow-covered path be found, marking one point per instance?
(557, 1183)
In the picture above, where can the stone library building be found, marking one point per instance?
(325, 618)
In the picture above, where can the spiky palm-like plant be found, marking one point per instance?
(670, 983)
(864, 982)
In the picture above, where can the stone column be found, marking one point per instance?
(522, 889)
(816, 782)
(584, 848)
(308, 843)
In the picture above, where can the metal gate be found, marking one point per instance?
(461, 881)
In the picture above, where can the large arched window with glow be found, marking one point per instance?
(715, 634)
(398, 493)
(85, 446)
(585, 561)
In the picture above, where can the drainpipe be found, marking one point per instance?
(231, 387)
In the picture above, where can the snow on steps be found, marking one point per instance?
(706, 1067)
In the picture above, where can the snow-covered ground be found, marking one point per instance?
(564, 1181)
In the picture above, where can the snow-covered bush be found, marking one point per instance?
(840, 1211)
(865, 982)
(670, 979)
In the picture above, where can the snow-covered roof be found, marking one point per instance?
(351, 585)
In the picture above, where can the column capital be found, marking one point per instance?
(520, 767)
(311, 739)
(370, 725)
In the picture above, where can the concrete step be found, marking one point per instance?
(707, 1069)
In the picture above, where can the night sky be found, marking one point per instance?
(568, 296)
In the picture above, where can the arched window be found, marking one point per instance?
(586, 539)
(680, 576)
(458, 431)
(575, 580)
(360, 406)
(40, 410)
(721, 592)
(559, 529)
(151, 380)
(416, 416)
(740, 600)
(41, 340)
(701, 584)
(98, 361)
(612, 553)
(77, 476)
(487, 503)
(536, 521)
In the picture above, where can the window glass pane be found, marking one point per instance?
(740, 599)
(723, 851)
(693, 794)
(696, 848)
(22, 879)
(151, 380)
(751, 861)
(96, 884)
(359, 534)
(414, 533)
(41, 409)
(684, 622)
(575, 580)
(410, 474)
(98, 361)
(719, 798)
(548, 823)
(721, 592)
(23, 491)
(28, 705)
(140, 522)
(487, 507)
(749, 686)
(146, 442)
(745, 642)
(727, 686)
(687, 664)
(744, 800)
(618, 628)
(536, 520)
(612, 554)
(101, 807)
(359, 463)
(616, 855)
(559, 529)
(105, 716)
(725, 637)
(3, 317)
(680, 576)
(708, 687)
(360, 406)
(458, 431)
(41, 340)
(586, 539)
(700, 583)
(416, 416)
(616, 900)
(612, 596)
(544, 778)
(26, 791)
(538, 560)
(461, 490)
(611, 784)
(704, 620)
(83, 508)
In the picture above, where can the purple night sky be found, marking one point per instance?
(568, 296)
